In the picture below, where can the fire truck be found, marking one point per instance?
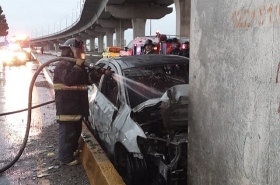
(24, 43)
(163, 44)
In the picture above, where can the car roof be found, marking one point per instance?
(126, 62)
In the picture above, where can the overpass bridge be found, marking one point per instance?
(101, 18)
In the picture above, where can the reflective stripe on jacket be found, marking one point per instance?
(68, 117)
(60, 86)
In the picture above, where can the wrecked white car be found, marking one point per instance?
(140, 117)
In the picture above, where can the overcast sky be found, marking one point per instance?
(31, 17)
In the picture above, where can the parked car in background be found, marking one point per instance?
(111, 52)
(13, 55)
(140, 117)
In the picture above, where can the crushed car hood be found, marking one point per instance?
(174, 95)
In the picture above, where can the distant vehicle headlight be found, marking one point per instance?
(7, 56)
(21, 56)
(28, 50)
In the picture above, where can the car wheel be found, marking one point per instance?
(136, 170)
(132, 169)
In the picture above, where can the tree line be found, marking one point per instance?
(3, 24)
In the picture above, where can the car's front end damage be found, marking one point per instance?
(165, 124)
(140, 117)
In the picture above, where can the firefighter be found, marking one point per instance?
(186, 50)
(71, 97)
(176, 50)
(148, 47)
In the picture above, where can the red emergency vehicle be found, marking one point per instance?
(136, 46)
(163, 44)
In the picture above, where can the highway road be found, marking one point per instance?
(15, 82)
(37, 165)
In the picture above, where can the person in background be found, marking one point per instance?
(186, 50)
(148, 47)
(42, 50)
(71, 98)
(176, 50)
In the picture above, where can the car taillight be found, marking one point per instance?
(155, 48)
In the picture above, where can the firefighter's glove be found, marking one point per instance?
(108, 72)
(100, 71)
(94, 76)
(79, 61)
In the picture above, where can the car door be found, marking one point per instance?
(104, 107)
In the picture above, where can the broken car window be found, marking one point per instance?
(152, 81)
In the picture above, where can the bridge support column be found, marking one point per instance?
(51, 47)
(109, 38)
(138, 14)
(56, 47)
(183, 17)
(138, 27)
(100, 42)
(119, 36)
(92, 44)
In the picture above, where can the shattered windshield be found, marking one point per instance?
(150, 82)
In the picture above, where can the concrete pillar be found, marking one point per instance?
(138, 14)
(92, 43)
(138, 27)
(100, 42)
(234, 93)
(56, 46)
(119, 36)
(109, 38)
(183, 17)
(51, 46)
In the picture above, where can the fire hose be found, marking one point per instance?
(30, 107)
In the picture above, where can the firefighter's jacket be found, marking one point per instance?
(71, 94)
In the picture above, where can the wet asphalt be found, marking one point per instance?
(14, 86)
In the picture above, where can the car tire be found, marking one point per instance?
(136, 170)
(132, 169)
